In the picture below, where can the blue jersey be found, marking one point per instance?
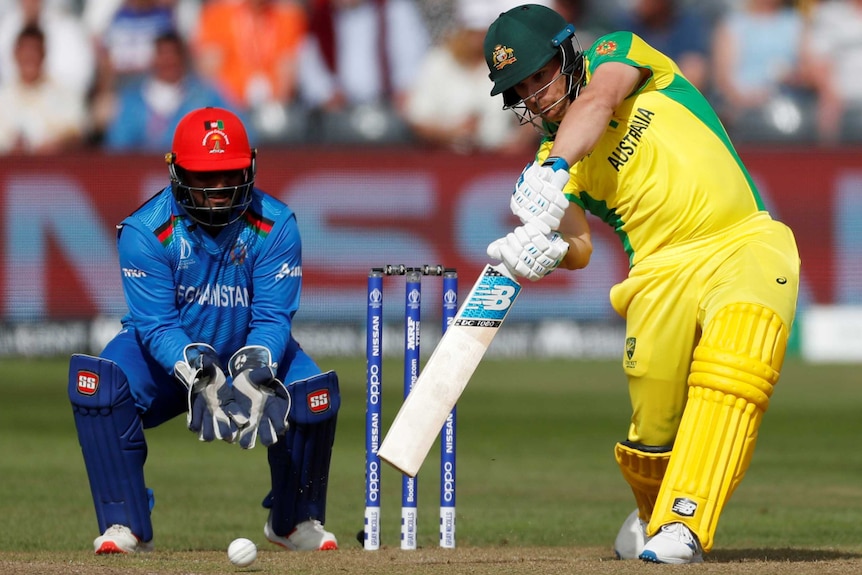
(182, 285)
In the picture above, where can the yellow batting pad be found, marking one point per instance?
(644, 471)
(735, 367)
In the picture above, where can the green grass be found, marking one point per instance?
(535, 465)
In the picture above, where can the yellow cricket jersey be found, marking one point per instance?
(665, 171)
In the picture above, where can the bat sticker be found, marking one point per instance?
(490, 301)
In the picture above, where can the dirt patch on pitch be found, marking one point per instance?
(463, 561)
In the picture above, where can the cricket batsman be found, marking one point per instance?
(212, 271)
(712, 287)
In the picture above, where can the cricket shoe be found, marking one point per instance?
(307, 536)
(674, 543)
(631, 538)
(120, 539)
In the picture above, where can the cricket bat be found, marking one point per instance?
(449, 369)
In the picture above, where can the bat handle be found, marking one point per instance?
(504, 271)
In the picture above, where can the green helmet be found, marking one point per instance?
(524, 39)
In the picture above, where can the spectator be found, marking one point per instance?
(674, 29)
(40, 115)
(761, 86)
(448, 105)
(128, 43)
(149, 110)
(98, 14)
(835, 43)
(362, 52)
(125, 53)
(70, 59)
(249, 47)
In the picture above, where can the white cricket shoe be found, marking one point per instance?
(307, 536)
(120, 539)
(675, 543)
(631, 538)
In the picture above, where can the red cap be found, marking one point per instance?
(211, 140)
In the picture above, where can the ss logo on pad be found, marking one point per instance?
(88, 382)
(318, 401)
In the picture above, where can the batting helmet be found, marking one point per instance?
(520, 42)
(211, 140)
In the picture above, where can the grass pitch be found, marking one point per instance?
(538, 489)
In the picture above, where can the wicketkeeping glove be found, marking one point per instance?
(211, 400)
(263, 399)
(529, 253)
(538, 197)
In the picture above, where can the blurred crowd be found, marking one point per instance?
(118, 75)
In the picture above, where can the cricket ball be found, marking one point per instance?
(242, 552)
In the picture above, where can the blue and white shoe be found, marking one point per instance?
(675, 544)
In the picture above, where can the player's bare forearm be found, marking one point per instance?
(576, 231)
(578, 255)
(588, 116)
(585, 122)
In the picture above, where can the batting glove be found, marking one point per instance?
(538, 197)
(262, 398)
(210, 397)
(529, 253)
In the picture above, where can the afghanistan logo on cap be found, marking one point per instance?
(215, 139)
(503, 56)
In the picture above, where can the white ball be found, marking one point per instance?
(242, 552)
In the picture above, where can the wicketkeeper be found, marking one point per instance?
(713, 280)
(212, 271)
